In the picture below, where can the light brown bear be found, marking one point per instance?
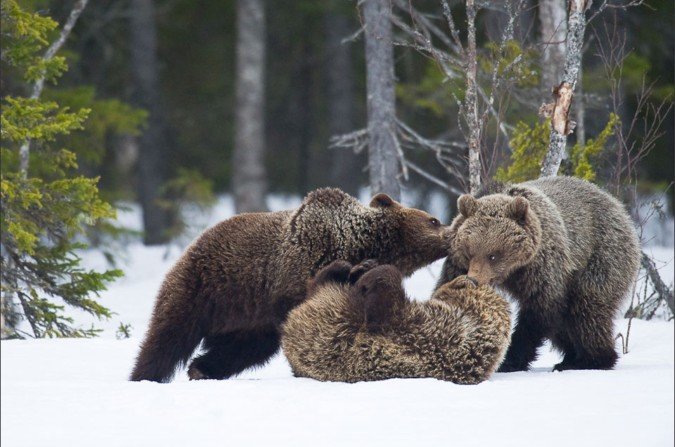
(565, 250)
(236, 282)
(358, 325)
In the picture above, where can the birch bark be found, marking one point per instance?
(561, 126)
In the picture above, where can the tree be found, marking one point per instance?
(559, 110)
(248, 158)
(552, 39)
(46, 206)
(152, 159)
(383, 158)
(340, 74)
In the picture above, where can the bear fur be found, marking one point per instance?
(358, 325)
(236, 282)
(565, 250)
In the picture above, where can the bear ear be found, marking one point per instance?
(518, 209)
(382, 201)
(467, 205)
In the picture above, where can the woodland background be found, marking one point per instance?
(170, 103)
(129, 126)
(314, 87)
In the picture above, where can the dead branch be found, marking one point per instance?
(356, 141)
(662, 290)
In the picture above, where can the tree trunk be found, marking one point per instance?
(560, 109)
(471, 101)
(383, 162)
(581, 109)
(248, 160)
(306, 115)
(552, 34)
(340, 74)
(153, 142)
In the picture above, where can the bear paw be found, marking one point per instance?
(463, 282)
(358, 270)
(508, 367)
(195, 374)
(336, 271)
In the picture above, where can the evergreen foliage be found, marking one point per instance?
(46, 210)
(530, 143)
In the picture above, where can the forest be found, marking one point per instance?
(129, 127)
(170, 104)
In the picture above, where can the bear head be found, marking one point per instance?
(493, 236)
(420, 238)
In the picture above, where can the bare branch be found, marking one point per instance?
(663, 291)
(356, 141)
(433, 178)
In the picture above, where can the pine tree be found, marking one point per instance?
(46, 205)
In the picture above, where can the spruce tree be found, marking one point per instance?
(46, 205)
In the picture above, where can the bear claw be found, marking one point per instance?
(195, 374)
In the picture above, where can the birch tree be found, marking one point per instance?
(559, 110)
(471, 101)
(248, 159)
(552, 39)
(38, 86)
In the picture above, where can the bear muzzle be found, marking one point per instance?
(480, 273)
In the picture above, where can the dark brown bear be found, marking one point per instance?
(235, 283)
(358, 328)
(565, 250)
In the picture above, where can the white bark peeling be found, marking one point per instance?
(561, 126)
(471, 101)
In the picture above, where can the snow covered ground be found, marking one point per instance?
(75, 392)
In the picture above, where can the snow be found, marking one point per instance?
(71, 392)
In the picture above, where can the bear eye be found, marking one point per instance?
(492, 257)
(435, 222)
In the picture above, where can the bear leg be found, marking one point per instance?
(231, 353)
(593, 302)
(336, 271)
(378, 295)
(563, 342)
(592, 344)
(526, 339)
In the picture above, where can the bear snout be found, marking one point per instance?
(480, 273)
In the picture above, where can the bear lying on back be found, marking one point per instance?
(565, 250)
(235, 283)
(358, 325)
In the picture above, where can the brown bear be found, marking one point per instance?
(236, 282)
(564, 249)
(358, 325)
